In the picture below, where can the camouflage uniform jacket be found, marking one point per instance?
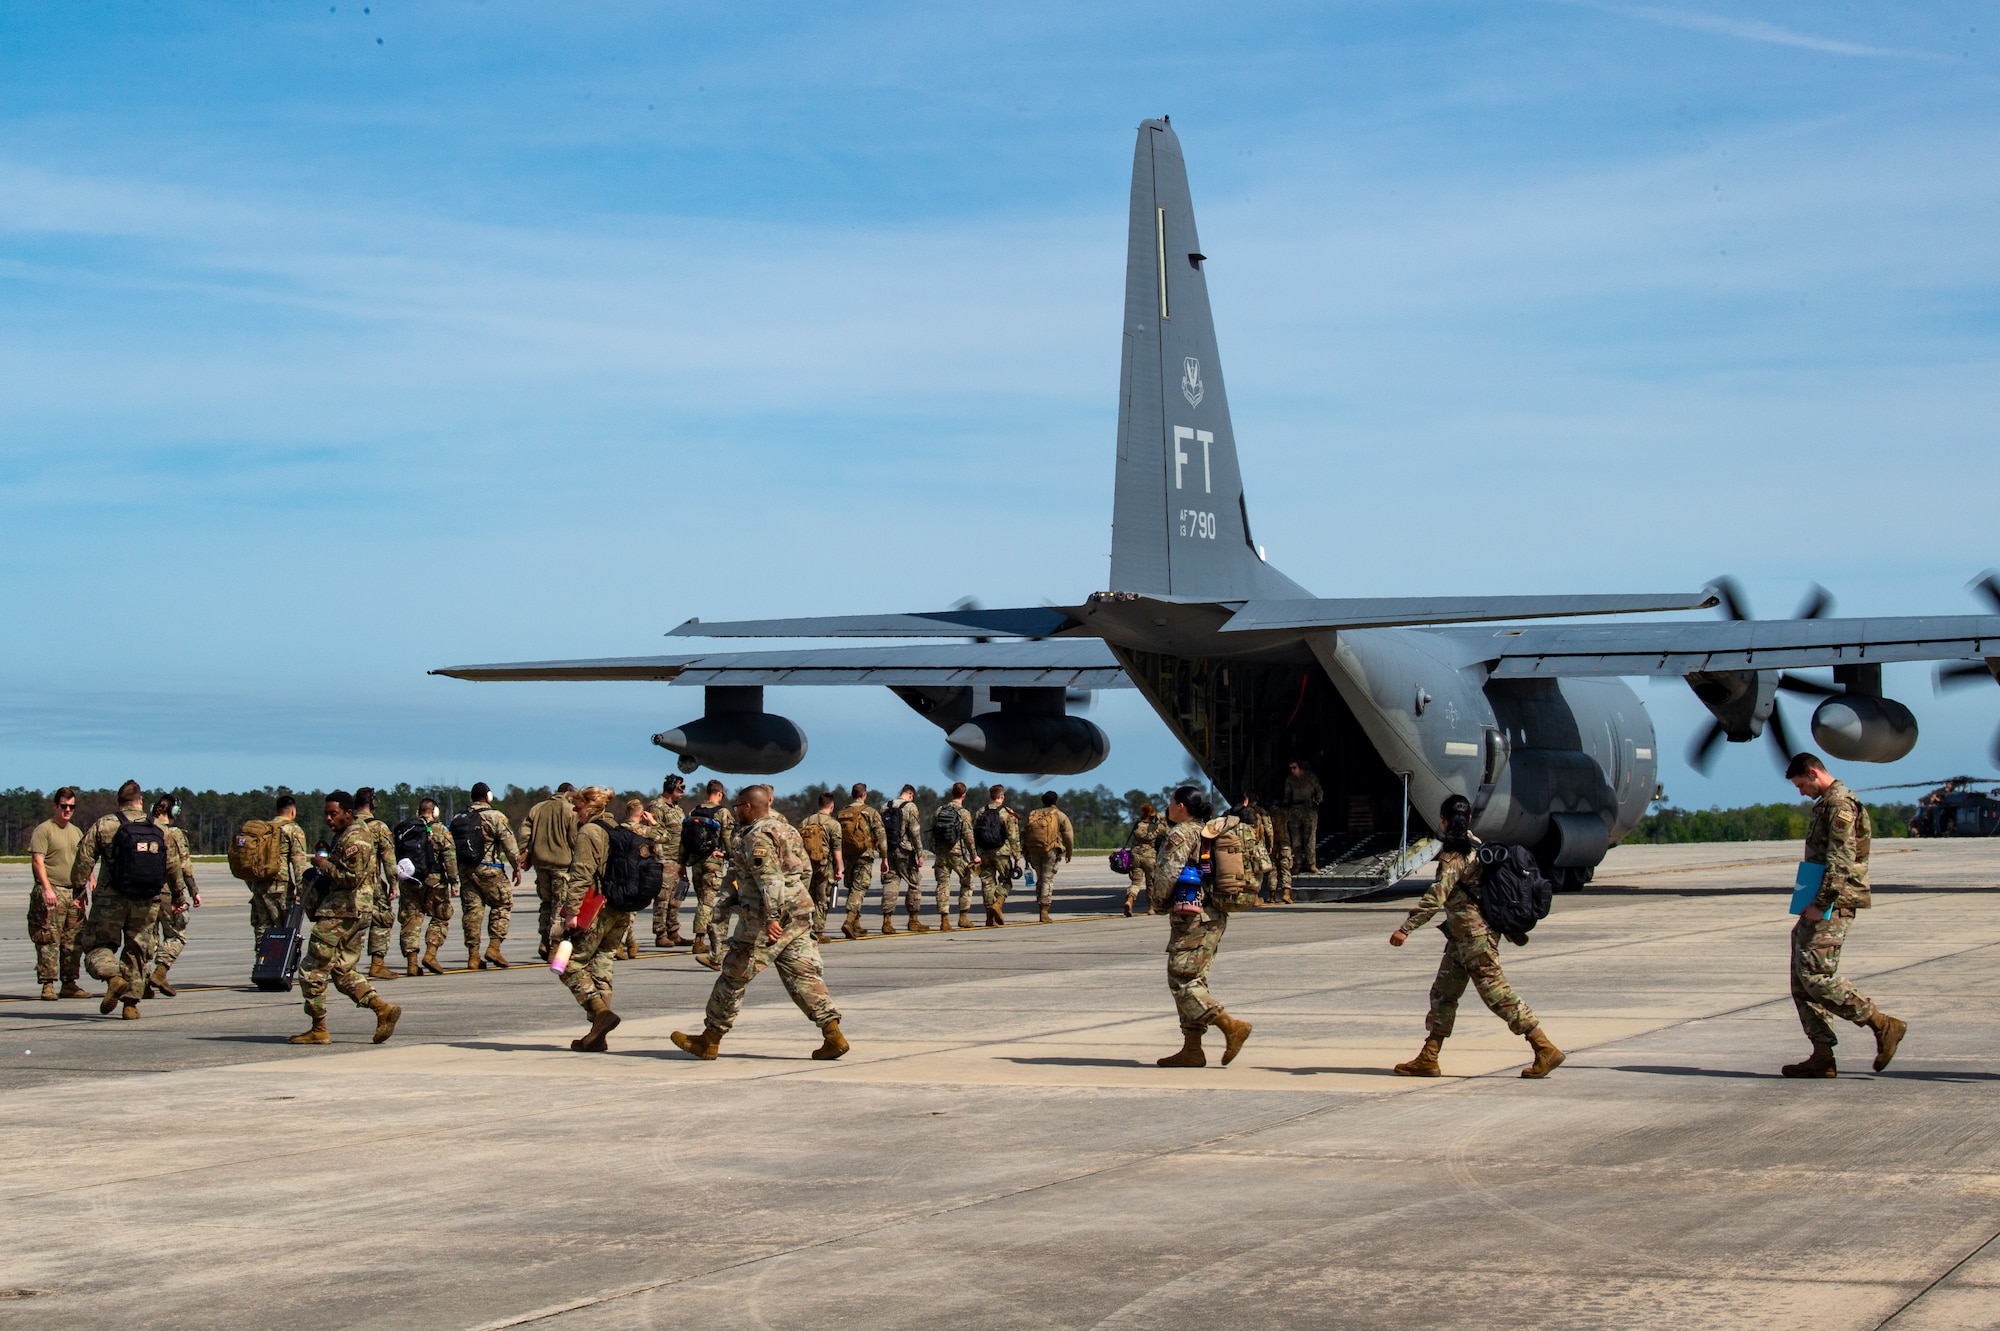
(548, 833)
(499, 836)
(1839, 837)
(180, 870)
(1304, 790)
(1012, 848)
(350, 872)
(878, 834)
(909, 832)
(962, 846)
(1456, 893)
(385, 850)
(829, 830)
(99, 842)
(1146, 835)
(1257, 842)
(1065, 831)
(724, 815)
(1182, 843)
(297, 855)
(772, 872)
(442, 853)
(666, 829)
(586, 869)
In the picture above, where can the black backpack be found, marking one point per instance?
(468, 837)
(138, 859)
(701, 834)
(989, 829)
(413, 843)
(633, 874)
(944, 829)
(1513, 894)
(892, 825)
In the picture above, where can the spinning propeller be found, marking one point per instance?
(1961, 674)
(1817, 602)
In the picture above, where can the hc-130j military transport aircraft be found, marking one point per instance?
(1394, 702)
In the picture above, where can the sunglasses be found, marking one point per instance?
(70, 805)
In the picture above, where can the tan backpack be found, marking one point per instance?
(1042, 834)
(813, 834)
(855, 836)
(257, 853)
(1229, 885)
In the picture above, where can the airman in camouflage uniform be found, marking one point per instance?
(269, 901)
(381, 924)
(548, 843)
(1144, 844)
(115, 918)
(182, 893)
(588, 974)
(774, 928)
(1471, 952)
(667, 818)
(351, 874)
(1303, 796)
(1192, 939)
(430, 900)
(998, 867)
(711, 874)
(55, 913)
(863, 842)
(951, 845)
(826, 865)
(1838, 837)
(1054, 838)
(1258, 865)
(1281, 844)
(903, 864)
(484, 887)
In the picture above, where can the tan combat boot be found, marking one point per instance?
(1819, 1065)
(889, 924)
(965, 917)
(430, 962)
(386, 1014)
(493, 957)
(602, 1022)
(944, 920)
(1190, 1055)
(71, 989)
(49, 991)
(1286, 899)
(834, 1045)
(131, 1012)
(314, 1034)
(378, 969)
(473, 961)
(704, 1046)
(1128, 908)
(996, 917)
(1234, 1033)
(915, 924)
(114, 990)
(1547, 1057)
(1889, 1033)
(1045, 917)
(411, 966)
(1425, 1064)
(159, 982)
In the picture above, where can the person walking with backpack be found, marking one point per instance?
(55, 912)
(1186, 885)
(349, 878)
(181, 895)
(548, 844)
(425, 914)
(903, 862)
(863, 843)
(587, 973)
(1471, 952)
(819, 833)
(706, 838)
(773, 929)
(270, 857)
(1049, 840)
(996, 836)
(668, 815)
(382, 924)
(125, 906)
(485, 847)
(1143, 843)
(953, 856)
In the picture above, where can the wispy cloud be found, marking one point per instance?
(1749, 30)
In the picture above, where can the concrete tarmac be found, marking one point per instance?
(999, 1151)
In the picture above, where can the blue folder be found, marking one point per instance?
(1809, 880)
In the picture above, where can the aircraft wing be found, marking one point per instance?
(1070, 663)
(1744, 644)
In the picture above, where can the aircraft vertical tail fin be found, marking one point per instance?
(1179, 523)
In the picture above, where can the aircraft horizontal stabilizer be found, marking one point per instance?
(1389, 611)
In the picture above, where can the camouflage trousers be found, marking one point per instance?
(484, 889)
(53, 930)
(796, 956)
(173, 935)
(1192, 941)
(902, 878)
(432, 902)
(588, 974)
(1136, 879)
(1302, 832)
(548, 892)
(860, 873)
(944, 868)
(1282, 875)
(382, 924)
(126, 921)
(1818, 988)
(1476, 959)
(996, 870)
(267, 909)
(334, 954)
(708, 876)
(1045, 867)
(667, 905)
(822, 890)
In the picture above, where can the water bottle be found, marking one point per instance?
(1187, 891)
(1031, 878)
(559, 959)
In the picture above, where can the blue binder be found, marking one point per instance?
(1809, 880)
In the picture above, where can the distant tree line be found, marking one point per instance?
(1755, 822)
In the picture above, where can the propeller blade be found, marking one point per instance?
(1731, 591)
(1818, 601)
(1775, 728)
(1959, 674)
(1996, 748)
(953, 763)
(1987, 587)
(1703, 752)
(1800, 684)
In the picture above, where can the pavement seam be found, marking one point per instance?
(1919, 1296)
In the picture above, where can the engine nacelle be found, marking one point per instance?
(735, 734)
(1864, 729)
(1740, 700)
(1007, 741)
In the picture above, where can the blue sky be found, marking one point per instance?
(338, 342)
